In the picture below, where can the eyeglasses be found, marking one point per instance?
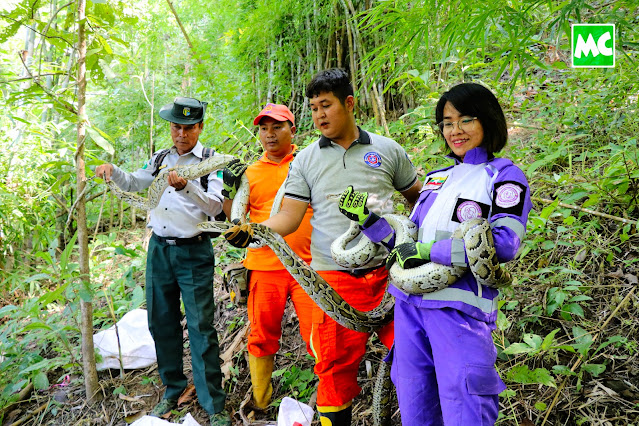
(464, 124)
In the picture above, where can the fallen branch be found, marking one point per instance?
(31, 414)
(585, 210)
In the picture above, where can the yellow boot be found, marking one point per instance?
(261, 370)
(336, 416)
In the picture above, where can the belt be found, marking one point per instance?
(358, 273)
(174, 241)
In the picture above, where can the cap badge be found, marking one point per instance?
(186, 111)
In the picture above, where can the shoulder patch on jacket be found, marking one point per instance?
(509, 198)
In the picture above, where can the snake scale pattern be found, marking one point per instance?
(317, 288)
(160, 183)
(480, 250)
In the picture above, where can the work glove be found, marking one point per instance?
(232, 177)
(240, 235)
(352, 204)
(410, 255)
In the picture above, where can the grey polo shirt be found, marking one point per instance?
(178, 212)
(323, 170)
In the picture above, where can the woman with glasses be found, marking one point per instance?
(444, 357)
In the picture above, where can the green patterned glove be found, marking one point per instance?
(410, 255)
(352, 204)
(232, 177)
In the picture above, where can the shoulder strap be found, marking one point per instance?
(204, 180)
(158, 161)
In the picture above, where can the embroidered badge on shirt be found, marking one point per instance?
(373, 159)
(466, 209)
(509, 197)
(434, 183)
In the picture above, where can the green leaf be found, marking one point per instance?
(544, 377)
(563, 370)
(99, 140)
(6, 310)
(533, 340)
(40, 381)
(104, 44)
(540, 405)
(573, 308)
(518, 348)
(594, 369)
(549, 339)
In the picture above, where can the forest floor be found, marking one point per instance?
(610, 399)
(581, 392)
(144, 390)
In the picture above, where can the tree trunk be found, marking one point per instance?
(318, 49)
(86, 307)
(151, 122)
(271, 70)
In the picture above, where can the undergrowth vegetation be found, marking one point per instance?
(566, 333)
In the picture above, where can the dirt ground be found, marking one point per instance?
(66, 405)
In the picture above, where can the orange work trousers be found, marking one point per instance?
(339, 350)
(268, 292)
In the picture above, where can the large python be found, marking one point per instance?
(480, 250)
(160, 183)
(317, 288)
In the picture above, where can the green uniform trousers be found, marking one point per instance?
(187, 269)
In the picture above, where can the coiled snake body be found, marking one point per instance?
(160, 183)
(480, 250)
(317, 288)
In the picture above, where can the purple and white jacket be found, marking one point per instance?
(493, 188)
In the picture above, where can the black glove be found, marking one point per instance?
(240, 235)
(232, 177)
(410, 255)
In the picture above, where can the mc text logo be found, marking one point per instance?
(593, 45)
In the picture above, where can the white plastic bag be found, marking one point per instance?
(156, 421)
(294, 413)
(138, 348)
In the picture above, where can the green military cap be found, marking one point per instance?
(184, 111)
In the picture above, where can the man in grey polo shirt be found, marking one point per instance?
(344, 155)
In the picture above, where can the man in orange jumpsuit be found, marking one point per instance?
(270, 285)
(344, 155)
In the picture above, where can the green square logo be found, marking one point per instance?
(593, 45)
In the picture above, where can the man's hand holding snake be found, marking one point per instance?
(232, 177)
(410, 255)
(240, 235)
(352, 204)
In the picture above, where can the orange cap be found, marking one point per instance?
(277, 112)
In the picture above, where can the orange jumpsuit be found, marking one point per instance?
(339, 350)
(270, 284)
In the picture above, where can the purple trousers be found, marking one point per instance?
(444, 368)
